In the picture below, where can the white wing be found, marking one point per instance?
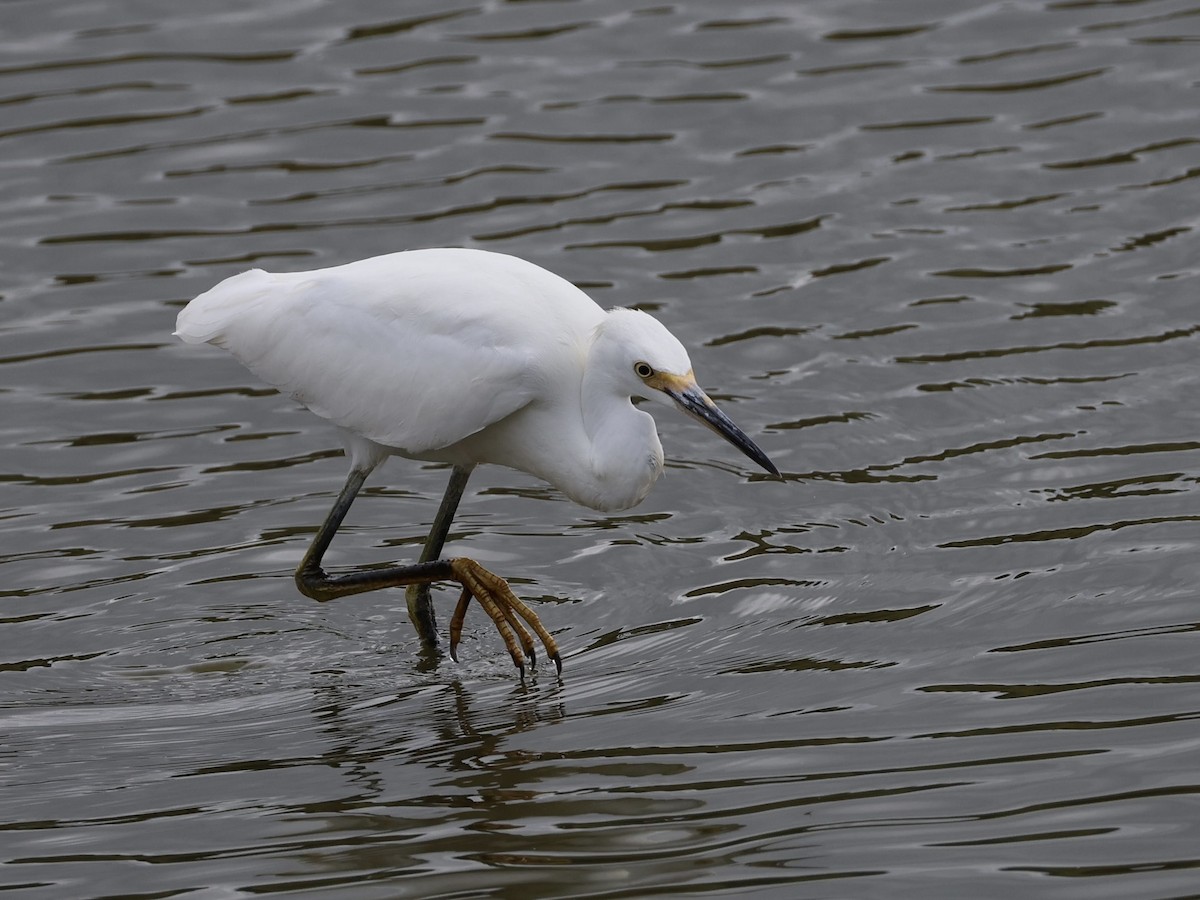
(413, 350)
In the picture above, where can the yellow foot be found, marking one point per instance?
(506, 610)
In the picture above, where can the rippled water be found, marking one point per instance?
(938, 258)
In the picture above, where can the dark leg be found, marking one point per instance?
(420, 605)
(492, 591)
(309, 575)
(315, 582)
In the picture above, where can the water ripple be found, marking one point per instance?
(869, 672)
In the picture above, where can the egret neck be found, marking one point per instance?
(626, 454)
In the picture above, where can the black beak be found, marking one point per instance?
(697, 404)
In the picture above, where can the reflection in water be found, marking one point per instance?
(943, 254)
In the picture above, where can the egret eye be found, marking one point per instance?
(643, 370)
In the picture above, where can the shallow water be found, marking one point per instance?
(938, 259)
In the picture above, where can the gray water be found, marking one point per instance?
(938, 258)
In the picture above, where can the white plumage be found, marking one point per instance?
(452, 355)
(462, 357)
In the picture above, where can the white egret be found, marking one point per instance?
(461, 357)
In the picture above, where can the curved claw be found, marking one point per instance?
(456, 622)
(506, 611)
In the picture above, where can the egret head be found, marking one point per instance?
(656, 367)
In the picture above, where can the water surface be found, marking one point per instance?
(938, 259)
